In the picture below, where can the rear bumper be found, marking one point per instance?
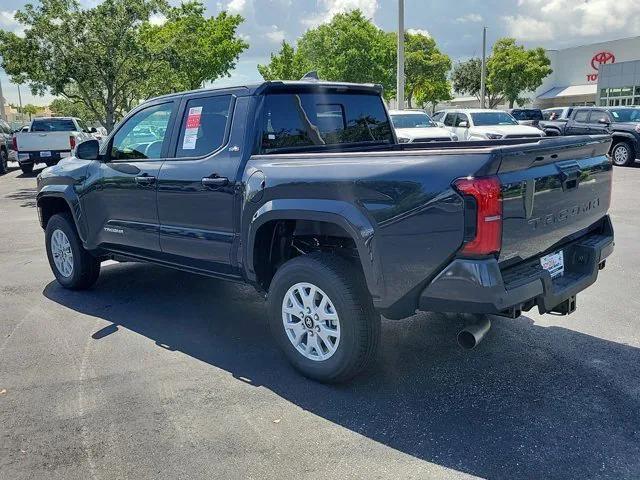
(27, 158)
(480, 286)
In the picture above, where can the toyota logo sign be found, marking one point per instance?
(601, 58)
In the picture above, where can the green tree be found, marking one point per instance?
(195, 49)
(466, 80)
(284, 65)
(350, 48)
(28, 109)
(101, 58)
(512, 69)
(426, 67)
(432, 93)
(64, 107)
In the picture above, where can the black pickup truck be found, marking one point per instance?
(622, 123)
(301, 189)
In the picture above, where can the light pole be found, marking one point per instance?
(2, 110)
(483, 74)
(400, 74)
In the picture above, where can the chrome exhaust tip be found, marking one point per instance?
(473, 333)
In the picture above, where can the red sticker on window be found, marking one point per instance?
(193, 120)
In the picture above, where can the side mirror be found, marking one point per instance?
(463, 124)
(604, 121)
(88, 150)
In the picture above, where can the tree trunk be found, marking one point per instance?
(409, 98)
(511, 101)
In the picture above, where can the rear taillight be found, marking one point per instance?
(483, 212)
(72, 142)
(14, 142)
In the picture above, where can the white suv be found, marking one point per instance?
(415, 126)
(484, 124)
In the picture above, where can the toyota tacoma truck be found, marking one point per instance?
(302, 190)
(49, 139)
(622, 123)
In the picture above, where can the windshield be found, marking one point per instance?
(625, 115)
(412, 120)
(527, 114)
(481, 119)
(52, 125)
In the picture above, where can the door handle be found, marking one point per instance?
(145, 180)
(215, 182)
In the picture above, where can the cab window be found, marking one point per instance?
(582, 116)
(142, 136)
(203, 126)
(449, 120)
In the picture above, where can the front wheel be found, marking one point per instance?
(322, 316)
(622, 154)
(73, 267)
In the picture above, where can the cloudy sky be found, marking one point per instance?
(456, 25)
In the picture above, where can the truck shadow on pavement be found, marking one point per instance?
(27, 197)
(529, 402)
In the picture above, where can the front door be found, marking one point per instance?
(120, 199)
(197, 186)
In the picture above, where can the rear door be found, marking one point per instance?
(449, 121)
(120, 200)
(551, 192)
(579, 124)
(197, 186)
(599, 122)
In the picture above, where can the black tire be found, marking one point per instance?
(27, 169)
(86, 268)
(622, 154)
(4, 162)
(359, 322)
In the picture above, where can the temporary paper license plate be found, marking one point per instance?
(45, 154)
(553, 263)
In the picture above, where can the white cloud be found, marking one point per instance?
(563, 19)
(9, 23)
(528, 28)
(236, 6)
(333, 7)
(469, 17)
(418, 31)
(276, 35)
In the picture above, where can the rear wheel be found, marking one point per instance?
(322, 316)
(4, 161)
(622, 154)
(73, 267)
(27, 169)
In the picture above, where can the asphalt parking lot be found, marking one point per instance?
(159, 374)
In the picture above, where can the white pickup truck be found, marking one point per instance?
(48, 140)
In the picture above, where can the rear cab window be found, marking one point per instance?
(582, 116)
(311, 121)
(53, 125)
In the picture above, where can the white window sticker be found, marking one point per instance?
(191, 131)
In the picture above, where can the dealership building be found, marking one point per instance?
(605, 73)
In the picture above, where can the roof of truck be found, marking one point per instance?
(283, 85)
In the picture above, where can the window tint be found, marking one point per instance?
(597, 115)
(299, 121)
(492, 118)
(143, 134)
(461, 117)
(625, 114)
(203, 126)
(52, 125)
(411, 120)
(582, 116)
(449, 119)
(438, 116)
(527, 114)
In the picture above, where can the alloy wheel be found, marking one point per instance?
(621, 155)
(311, 321)
(62, 254)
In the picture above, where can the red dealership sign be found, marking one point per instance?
(600, 58)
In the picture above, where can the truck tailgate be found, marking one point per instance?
(552, 191)
(43, 141)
